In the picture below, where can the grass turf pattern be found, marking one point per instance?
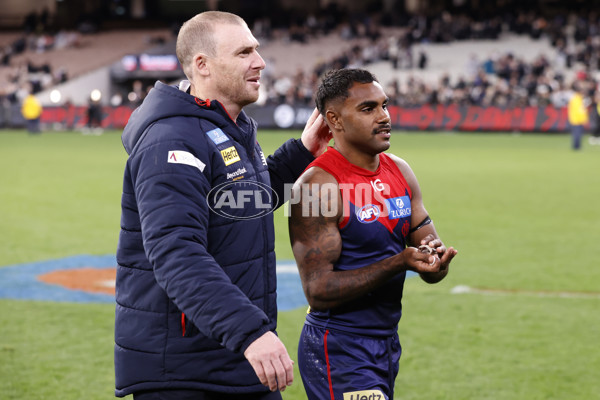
(523, 211)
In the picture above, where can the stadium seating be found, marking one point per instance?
(88, 53)
(443, 58)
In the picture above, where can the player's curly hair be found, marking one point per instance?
(335, 85)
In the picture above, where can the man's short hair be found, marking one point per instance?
(336, 85)
(197, 36)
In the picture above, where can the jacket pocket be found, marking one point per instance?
(188, 329)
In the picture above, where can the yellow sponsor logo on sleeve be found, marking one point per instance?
(230, 155)
(365, 395)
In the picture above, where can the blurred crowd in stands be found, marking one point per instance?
(502, 80)
(37, 38)
(18, 79)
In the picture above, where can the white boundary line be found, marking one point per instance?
(463, 289)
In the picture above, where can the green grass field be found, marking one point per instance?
(523, 211)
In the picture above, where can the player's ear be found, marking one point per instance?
(333, 120)
(200, 64)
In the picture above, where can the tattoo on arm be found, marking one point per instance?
(317, 245)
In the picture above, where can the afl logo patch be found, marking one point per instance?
(367, 214)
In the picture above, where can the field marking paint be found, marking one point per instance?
(463, 289)
(22, 282)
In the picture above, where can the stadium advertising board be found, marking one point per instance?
(449, 118)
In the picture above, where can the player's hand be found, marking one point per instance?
(316, 134)
(420, 262)
(271, 362)
(445, 255)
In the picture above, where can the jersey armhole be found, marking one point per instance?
(389, 160)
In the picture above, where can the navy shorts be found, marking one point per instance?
(337, 365)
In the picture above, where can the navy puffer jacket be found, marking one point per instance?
(196, 280)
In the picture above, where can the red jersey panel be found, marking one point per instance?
(376, 222)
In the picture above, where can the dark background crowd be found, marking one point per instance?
(397, 38)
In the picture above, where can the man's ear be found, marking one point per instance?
(333, 120)
(200, 64)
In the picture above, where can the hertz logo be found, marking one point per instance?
(230, 155)
(364, 395)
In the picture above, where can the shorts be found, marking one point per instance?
(337, 365)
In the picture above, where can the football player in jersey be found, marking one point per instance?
(357, 225)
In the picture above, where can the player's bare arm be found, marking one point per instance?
(316, 243)
(423, 231)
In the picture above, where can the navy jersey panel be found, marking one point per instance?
(377, 217)
(339, 366)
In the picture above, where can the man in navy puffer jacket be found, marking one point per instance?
(196, 305)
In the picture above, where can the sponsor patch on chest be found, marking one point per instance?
(217, 136)
(230, 155)
(239, 174)
(398, 207)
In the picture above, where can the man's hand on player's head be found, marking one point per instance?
(316, 134)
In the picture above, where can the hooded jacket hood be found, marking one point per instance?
(164, 101)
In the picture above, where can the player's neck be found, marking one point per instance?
(204, 93)
(359, 158)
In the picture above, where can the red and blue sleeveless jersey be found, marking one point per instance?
(375, 226)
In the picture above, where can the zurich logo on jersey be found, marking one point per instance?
(398, 207)
(367, 214)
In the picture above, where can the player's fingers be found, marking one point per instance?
(446, 258)
(424, 261)
(441, 250)
(427, 239)
(434, 242)
(433, 263)
(449, 255)
(288, 364)
(421, 253)
(259, 371)
(270, 376)
(313, 117)
(280, 374)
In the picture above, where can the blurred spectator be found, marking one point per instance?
(595, 112)
(94, 113)
(578, 115)
(422, 60)
(32, 111)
